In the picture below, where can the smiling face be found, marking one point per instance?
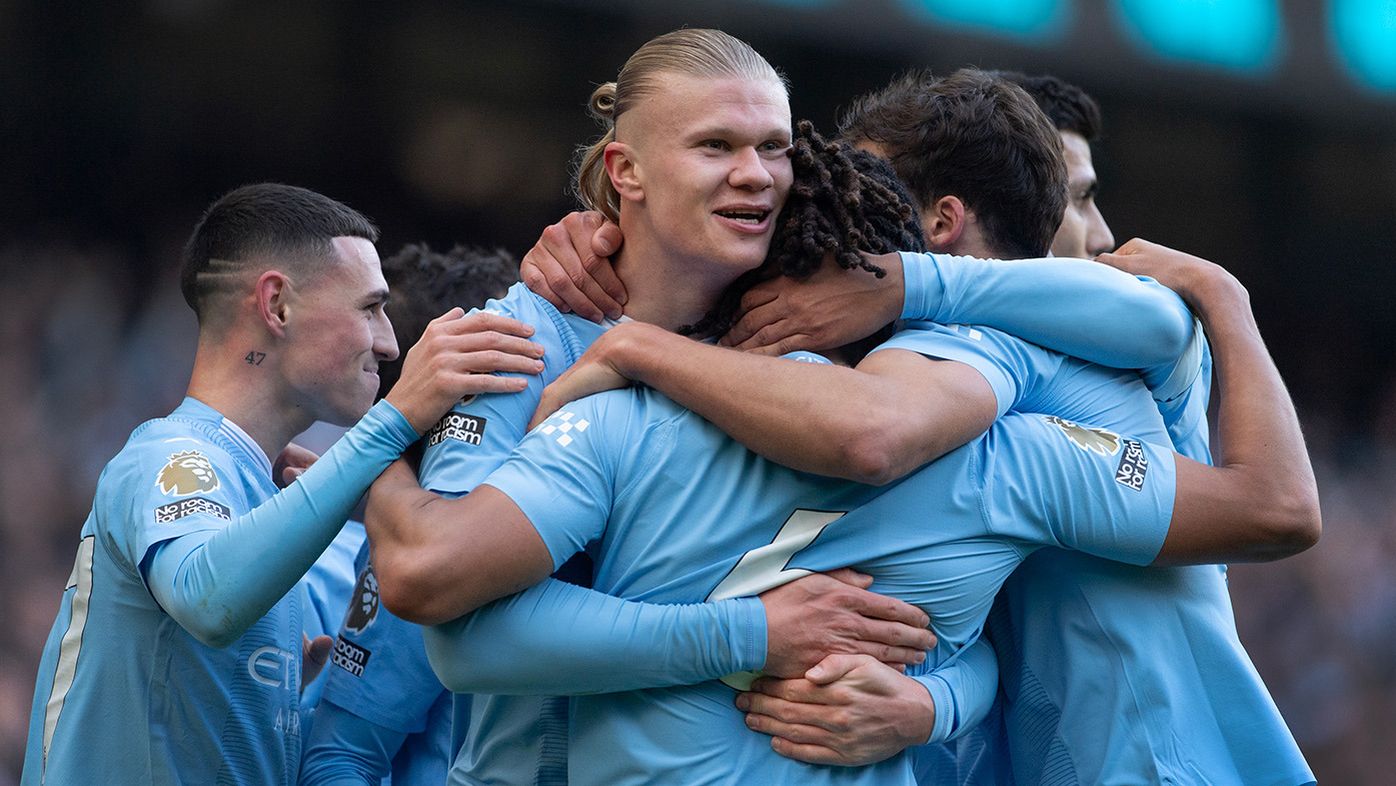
(1083, 232)
(338, 334)
(705, 169)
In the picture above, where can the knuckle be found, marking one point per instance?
(557, 278)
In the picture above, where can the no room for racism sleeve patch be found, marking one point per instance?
(1134, 465)
(184, 508)
(463, 428)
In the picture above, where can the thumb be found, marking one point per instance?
(606, 240)
(833, 668)
(319, 650)
(456, 312)
(853, 577)
(546, 407)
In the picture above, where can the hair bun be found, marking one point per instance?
(603, 102)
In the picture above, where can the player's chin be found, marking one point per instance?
(352, 409)
(746, 255)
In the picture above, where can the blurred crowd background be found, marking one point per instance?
(1258, 133)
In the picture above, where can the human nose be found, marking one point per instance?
(749, 171)
(1099, 238)
(384, 342)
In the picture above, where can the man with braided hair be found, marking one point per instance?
(614, 475)
(693, 158)
(886, 439)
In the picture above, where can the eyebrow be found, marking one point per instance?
(725, 132)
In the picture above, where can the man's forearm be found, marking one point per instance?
(1260, 448)
(1069, 305)
(557, 639)
(439, 558)
(814, 417)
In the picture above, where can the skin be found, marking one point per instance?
(292, 349)
(683, 157)
(1083, 232)
(331, 356)
(1259, 502)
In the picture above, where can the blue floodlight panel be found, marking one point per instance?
(1246, 36)
(1363, 33)
(1032, 20)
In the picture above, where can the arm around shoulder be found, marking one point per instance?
(1261, 500)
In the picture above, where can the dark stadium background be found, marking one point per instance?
(1258, 133)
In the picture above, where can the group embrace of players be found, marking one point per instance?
(773, 469)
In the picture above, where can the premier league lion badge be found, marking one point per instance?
(364, 607)
(1096, 440)
(189, 472)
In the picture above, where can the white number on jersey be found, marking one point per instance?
(764, 568)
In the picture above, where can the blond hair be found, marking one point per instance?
(692, 52)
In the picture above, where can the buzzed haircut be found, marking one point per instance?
(293, 224)
(1068, 107)
(842, 201)
(426, 284)
(977, 137)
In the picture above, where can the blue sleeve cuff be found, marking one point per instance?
(923, 286)
(750, 614)
(394, 423)
(944, 701)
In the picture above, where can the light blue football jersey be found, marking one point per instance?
(1164, 660)
(347, 745)
(328, 585)
(673, 511)
(379, 670)
(126, 695)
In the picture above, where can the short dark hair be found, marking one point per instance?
(426, 284)
(257, 220)
(1068, 107)
(842, 201)
(977, 137)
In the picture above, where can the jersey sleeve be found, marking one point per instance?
(963, 689)
(478, 434)
(563, 475)
(1182, 390)
(1008, 364)
(217, 584)
(178, 485)
(560, 639)
(344, 748)
(378, 671)
(1080, 308)
(1050, 482)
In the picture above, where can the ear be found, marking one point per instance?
(944, 222)
(624, 172)
(273, 296)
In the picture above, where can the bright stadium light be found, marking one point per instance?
(1034, 20)
(1364, 34)
(1240, 35)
